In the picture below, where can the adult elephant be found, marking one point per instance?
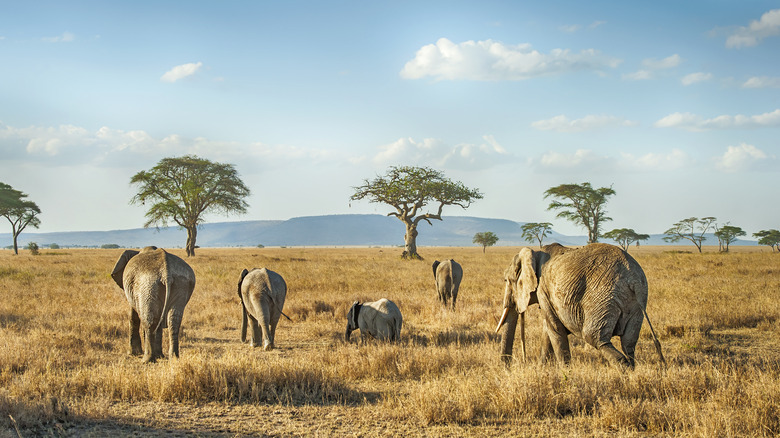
(262, 293)
(377, 319)
(158, 285)
(595, 292)
(448, 275)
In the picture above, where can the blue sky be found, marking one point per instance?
(676, 105)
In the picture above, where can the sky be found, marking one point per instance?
(675, 105)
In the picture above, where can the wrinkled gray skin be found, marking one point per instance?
(594, 292)
(262, 294)
(448, 275)
(378, 319)
(158, 286)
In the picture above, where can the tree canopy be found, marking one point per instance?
(485, 238)
(769, 237)
(581, 204)
(19, 211)
(182, 189)
(728, 234)
(536, 231)
(625, 237)
(409, 190)
(692, 229)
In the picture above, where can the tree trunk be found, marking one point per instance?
(410, 242)
(16, 247)
(192, 233)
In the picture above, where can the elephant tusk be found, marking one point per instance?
(503, 319)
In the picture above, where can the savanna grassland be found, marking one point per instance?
(65, 368)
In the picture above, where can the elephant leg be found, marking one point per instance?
(558, 337)
(150, 344)
(174, 324)
(274, 322)
(255, 331)
(630, 337)
(265, 325)
(136, 349)
(547, 348)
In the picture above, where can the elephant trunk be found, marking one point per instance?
(243, 323)
(508, 337)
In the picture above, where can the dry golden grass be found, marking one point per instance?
(64, 367)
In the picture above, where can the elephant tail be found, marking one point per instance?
(167, 303)
(655, 338)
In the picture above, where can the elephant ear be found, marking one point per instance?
(435, 265)
(526, 279)
(119, 269)
(241, 280)
(353, 312)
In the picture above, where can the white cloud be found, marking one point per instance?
(762, 82)
(570, 28)
(640, 75)
(435, 152)
(748, 36)
(695, 78)
(493, 61)
(743, 157)
(693, 122)
(562, 123)
(653, 65)
(181, 72)
(673, 160)
(596, 24)
(580, 160)
(66, 37)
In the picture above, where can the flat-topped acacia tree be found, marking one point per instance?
(182, 189)
(409, 190)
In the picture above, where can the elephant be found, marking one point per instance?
(448, 275)
(594, 292)
(378, 319)
(158, 285)
(262, 293)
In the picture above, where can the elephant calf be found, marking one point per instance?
(448, 275)
(262, 293)
(378, 319)
(158, 286)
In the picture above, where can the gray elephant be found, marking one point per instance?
(448, 275)
(158, 286)
(378, 319)
(262, 293)
(594, 292)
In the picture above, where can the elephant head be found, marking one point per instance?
(243, 307)
(521, 283)
(119, 269)
(352, 319)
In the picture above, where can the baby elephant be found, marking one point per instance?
(379, 319)
(448, 275)
(262, 293)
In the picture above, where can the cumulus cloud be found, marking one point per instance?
(652, 161)
(494, 61)
(693, 122)
(571, 28)
(747, 36)
(695, 78)
(66, 37)
(652, 65)
(580, 160)
(435, 152)
(562, 123)
(743, 157)
(181, 72)
(762, 82)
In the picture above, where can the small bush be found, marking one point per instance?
(33, 247)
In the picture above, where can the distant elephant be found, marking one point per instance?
(378, 319)
(158, 286)
(262, 293)
(448, 275)
(594, 292)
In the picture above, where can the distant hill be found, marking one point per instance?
(332, 230)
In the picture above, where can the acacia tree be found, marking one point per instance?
(692, 229)
(409, 189)
(769, 237)
(625, 237)
(19, 211)
(536, 231)
(182, 189)
(581, 204)
(727, 234)
(486, 238)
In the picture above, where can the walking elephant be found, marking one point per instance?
(378, 319)
(158, 285)
(262, 293)
(448, 275)
(594, 292)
